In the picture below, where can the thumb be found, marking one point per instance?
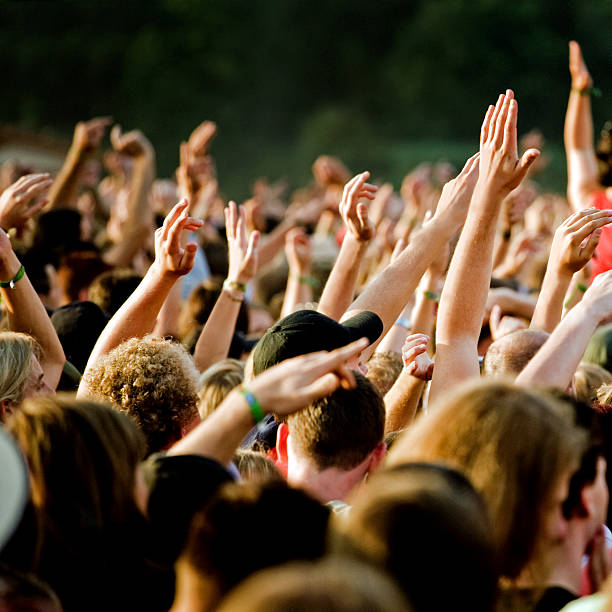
(525, 162)
(321, 387)
(495, 319)
(362, 214)
(189, 255)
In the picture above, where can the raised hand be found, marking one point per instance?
(457, 193)
(576, 238)
(581, 78)
(415, 358)
(295, 383)
(23, 199)
(355, 214)
(170, 257)
(500, 169)
(133, 144)
(201, 137)
(88, 134)
(298, 249)
(242, 251)
(501, 325)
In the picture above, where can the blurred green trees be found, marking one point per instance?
(288, 79)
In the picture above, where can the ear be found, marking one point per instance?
(6, 409)
(282, 433)
(377, 456)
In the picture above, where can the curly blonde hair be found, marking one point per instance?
(154, 381)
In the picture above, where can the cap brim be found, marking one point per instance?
(366, 324)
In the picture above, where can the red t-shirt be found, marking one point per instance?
(602, 259)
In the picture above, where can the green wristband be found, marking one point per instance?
(11, 284)
(256, 410)
(309, 280)
(432, 295)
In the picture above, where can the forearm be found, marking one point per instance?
(578, 128)
(166, 323)
(27, 314)
(465, 291)
(555, 363)
(135, 233)
(216, 337)
(340, 287)
(220, 434)
(549, 306)
(297, 292)
(402, 401)
(136, 318)
(273, 242)
(423, 314)
(63, 192)
(388, 293)
(394, 339)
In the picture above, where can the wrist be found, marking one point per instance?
(9, 266)
(235, 290)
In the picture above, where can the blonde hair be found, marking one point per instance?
(589, 377)
(16, 352)
(216, 382)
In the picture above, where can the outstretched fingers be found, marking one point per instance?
(172, 216)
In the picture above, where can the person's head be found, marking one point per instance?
(255, 467)
(21, 374)
(197, 309)
(599, 349)
(82, 456)
(588, 378)
(383, 370)
(337, 440)
(78, 326)
(21, 592)
(420, 522)
(111, 289)
(518, 447)
(154, 381)
(214, 559)
(308, 331)
(604, 155)
(335, 584)
(76, 272)
(508, 356)
(216, 382)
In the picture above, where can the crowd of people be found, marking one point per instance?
(408, 392)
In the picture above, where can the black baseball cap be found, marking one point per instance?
(308, 331)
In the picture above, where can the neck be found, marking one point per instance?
(560, 565)
(324, 485)
(195, 592)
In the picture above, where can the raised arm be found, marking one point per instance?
(137, 316)
(26, 312)
(283, 389)
(582, 174)
(340, 287)
(391, 290)
(216, 337)
(465, 291)
(136, 229)
(555, 363)
(298, 249)
(87, 137)
(573, 245)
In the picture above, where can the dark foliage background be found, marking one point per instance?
(382, 84)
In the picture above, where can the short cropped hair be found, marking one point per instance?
(508, 356)
(154, 381)
(589, 377)
(341, 429)
(383, 370)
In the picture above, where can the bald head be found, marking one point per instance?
(508, 356)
